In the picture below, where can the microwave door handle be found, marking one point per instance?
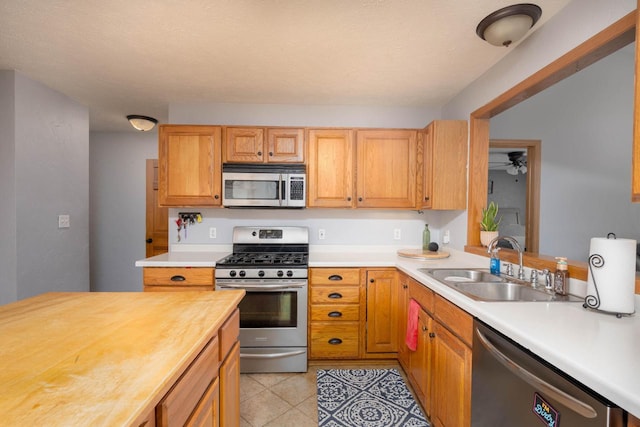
(282, 189)
(566, 399)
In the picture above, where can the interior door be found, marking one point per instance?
(157, 229)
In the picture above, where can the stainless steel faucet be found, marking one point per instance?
(516, 245)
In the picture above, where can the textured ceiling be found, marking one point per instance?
(122, 57)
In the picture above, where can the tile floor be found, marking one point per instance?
(285, 399)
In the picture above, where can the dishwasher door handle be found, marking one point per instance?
(566, 399)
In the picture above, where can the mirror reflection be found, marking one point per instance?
(585, 126)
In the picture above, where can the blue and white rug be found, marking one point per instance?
(366, 398)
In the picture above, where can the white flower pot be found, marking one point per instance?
(487, 236)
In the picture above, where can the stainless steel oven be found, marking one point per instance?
(270, 264)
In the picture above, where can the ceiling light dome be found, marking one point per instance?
(509, 24)
(142, 123)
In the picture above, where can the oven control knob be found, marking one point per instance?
(242, 273)
(232, 273)
(260, 273)
(280, 273)
(289, 273)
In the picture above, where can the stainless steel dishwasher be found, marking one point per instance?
(513, 387)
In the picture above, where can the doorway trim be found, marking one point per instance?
(533, 148)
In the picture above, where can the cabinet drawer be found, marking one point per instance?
(423, 295)
(335, 312)
(335, 276)
(179, 403)
(177, 276)
(334, 340)
(229, 333)
(208, 409)
(455, 319)
(335, 294)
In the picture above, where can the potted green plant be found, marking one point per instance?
(489, 224)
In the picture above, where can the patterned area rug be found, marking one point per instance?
(366, 398)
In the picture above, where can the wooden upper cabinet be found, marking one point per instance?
(330, 172)
(386, 168)
(260, 145)
(190, 162)
(444, 165)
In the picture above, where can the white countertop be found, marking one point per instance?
(599, 350)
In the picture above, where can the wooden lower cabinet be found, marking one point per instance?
(335, 313)
(167, 279)
(381, 328)
(633, 421)
(439, 370)
(230, 388)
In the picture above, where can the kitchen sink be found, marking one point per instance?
(480, 285)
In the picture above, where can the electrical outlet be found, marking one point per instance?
(396, 234)
(321, 234)
(446, 237)
(212, 232)
(64, 221)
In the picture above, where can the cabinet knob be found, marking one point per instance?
(259, 153)
(216, 197)
(348, 199)
(335, 341)
(359, 199)
(432, 335)
(424, 329)
(149, 240)
(371, 280)
(426, 198)
(271, 153)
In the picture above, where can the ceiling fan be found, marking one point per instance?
(514, 163)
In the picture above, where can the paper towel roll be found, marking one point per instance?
(612, 275)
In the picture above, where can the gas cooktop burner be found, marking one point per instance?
(264, 259)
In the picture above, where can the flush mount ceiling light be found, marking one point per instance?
(142, 123)
(509, 24)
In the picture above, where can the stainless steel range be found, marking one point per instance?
(271, 265)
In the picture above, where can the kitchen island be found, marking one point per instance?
(112, 359)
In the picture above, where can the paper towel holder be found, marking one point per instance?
(593, 301)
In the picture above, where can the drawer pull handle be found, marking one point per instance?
(178, 278)
(335, 295)
(335, 277)
(335, 314)
(335, 341)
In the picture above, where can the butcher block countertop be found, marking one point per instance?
(100, 359)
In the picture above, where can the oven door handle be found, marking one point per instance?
(271, 355)
(566, 399)
(246, 287)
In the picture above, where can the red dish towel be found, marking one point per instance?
(412, 325)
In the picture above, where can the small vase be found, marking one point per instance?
(487, 236)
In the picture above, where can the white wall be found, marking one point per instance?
(585, 124)
(50, 177)
(574, 24)
(117, 163)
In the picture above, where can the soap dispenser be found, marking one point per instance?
(561, 277)
(494, 266)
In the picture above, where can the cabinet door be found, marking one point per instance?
(451, 405)
(208, 409)
(189, 158)
(382, 308)
(331, 168)
(386, 168)
(243, 145)
(285, 145)
(230, 388)
(403, 305)
(444, 165)
(420, 361)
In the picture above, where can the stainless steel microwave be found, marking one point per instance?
(269, 186)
